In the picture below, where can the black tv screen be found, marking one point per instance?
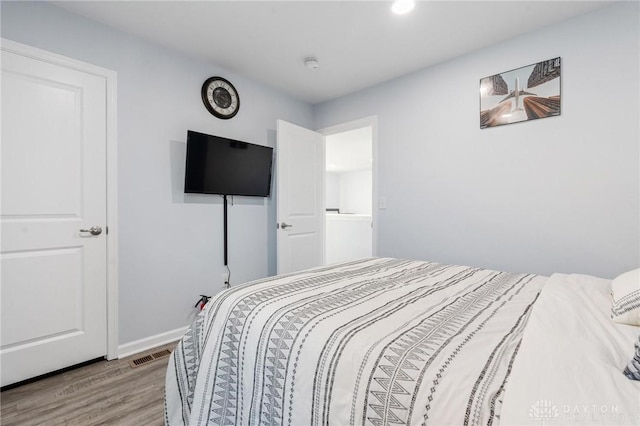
(217, 165)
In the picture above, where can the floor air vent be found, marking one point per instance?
(137, 362)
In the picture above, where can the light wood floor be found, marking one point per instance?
(103, 393)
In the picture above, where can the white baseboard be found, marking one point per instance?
(151, 342)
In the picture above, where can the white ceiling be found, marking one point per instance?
(358, 43)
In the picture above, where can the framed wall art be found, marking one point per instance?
(522, 94)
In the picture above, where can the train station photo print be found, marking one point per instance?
(522, 94)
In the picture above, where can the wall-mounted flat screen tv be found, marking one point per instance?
(217, 165)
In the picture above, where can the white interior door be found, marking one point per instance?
(54, 274)
(300, 191)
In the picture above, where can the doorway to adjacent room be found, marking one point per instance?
(349, 194)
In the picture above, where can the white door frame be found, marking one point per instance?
(111, 79)
(372, 122)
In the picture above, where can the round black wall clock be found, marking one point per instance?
(220, 97)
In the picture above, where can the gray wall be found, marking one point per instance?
(553, 195)
(170, 245)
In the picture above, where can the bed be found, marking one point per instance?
(384, 341)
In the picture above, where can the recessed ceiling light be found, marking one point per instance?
(400, 7)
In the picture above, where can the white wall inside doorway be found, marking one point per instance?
(348, 199)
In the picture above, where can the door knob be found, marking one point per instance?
(285, 225)
(94, 230)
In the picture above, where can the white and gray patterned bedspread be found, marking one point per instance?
(370, 342)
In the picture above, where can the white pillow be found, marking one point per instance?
(625, 292)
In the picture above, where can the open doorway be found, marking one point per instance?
(349, 194)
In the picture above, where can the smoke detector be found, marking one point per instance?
(311, 63)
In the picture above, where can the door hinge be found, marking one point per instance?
(107, 230)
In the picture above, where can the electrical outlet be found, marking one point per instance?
(225, 279)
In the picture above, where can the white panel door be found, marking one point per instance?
(53, 187)
(300, 191)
